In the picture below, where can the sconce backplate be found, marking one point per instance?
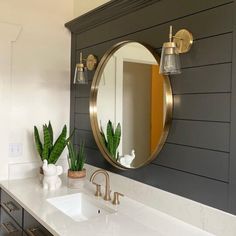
(91, 62)
(184, 40)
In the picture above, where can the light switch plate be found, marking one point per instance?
(15, 149)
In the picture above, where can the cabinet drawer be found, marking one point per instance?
(8, 225)
(12, 207)
(32, 227)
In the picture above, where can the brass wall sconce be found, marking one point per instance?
(81, 76)
(181, 42)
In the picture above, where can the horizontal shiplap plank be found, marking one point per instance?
(206, 79)
(211, 164)
(86, 137)
(216, 24)
(209, 135)
(212, 50)
(178, 182)
(207, 191)
(95, 158)
(82, 105)
(194, 161)
(211, 107)
(83, 90)
(207, 51)
(82, 121)
(184, 17)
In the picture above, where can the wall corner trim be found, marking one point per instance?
(106, 12)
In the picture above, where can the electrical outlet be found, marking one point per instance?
(15, 149)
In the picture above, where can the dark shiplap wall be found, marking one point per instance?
(197, 160)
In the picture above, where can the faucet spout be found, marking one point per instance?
(107, 196)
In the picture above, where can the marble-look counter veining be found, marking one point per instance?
(131, 217)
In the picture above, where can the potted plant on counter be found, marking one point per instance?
(48, 150)
(76, 160)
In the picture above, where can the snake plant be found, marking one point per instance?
(76, 159)
(112, 139)
(48, 150)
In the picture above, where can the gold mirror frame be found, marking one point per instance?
(93, 107)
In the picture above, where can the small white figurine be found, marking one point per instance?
(51, 172)
(126, 160)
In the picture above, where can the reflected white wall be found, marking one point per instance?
(137, 110)
(110, 100)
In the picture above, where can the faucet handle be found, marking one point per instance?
(116, 198)
(98, 192)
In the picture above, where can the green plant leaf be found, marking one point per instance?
(50, 132)
(70, 137)
(112, 138)
(38, 142)
(47, 150)
(116, 138)
(71, 156)
(117, 156)
(47, 143)
(81, 156)
(103, 137)
(58, 147)
(76, 160)
(110, 134)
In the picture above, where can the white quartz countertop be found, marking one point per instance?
(131, 217)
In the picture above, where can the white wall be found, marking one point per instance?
(34, 72)
(83, 6)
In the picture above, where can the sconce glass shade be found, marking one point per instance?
(80, 76)
(170, 61)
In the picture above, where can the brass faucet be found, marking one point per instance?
(107, 196)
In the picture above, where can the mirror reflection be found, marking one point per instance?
(131, 106)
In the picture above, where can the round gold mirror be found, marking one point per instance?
(130, 105)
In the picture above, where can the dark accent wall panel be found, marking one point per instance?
(197, 160)
(212, 50)
(82, 122)
(204, 79)
(159, 14)
(82, 105)
(82, 91)
(209, 135)
(215, 192)
(72, 88)
(232, 168)
(208, 107)
(185, 184)
(86, 136)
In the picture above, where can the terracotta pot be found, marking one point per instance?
(77, 174)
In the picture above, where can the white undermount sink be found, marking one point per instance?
(80, 207)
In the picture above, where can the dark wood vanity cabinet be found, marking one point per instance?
(16, 221)
(9, 225)
(32, 227)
